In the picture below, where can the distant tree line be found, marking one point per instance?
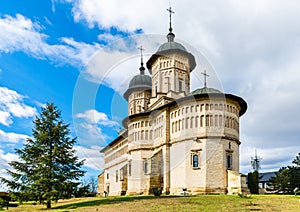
(287, 179)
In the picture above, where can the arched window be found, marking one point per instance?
(207, 120)
(187, 123)
(216, 121)
(195, 161)
(201, 121)
(196, 121)
(142, 135)
(229, 161)
(202, 108)
(192, 122)
(211, 121)
(216, 107)
(220, 121)
(207, 107)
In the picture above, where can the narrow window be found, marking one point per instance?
(201, 121)
(195, 161)
(187, 123)
(129, 168)
(145, 166)
(207, 120)
(180, 86)
(216, 120)
(117, 176)
(229, 161)
(196, 121)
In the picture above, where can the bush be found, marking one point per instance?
(2, 203)
(156, 191)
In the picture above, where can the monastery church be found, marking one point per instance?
(174, 140)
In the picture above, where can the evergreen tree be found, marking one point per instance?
(253, 180)
(49, 168)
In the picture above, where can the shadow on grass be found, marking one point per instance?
(107, 200)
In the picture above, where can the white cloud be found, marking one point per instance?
(92, 156)
(12, 137)
(12, 104)
(21, 34)
(88, 126)
(96, 117)
(5, 158)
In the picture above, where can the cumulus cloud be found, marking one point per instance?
(96, 117)
(88, 126)
(12, 105)
(5, 158)
(12, 137)
(93, 158)
(21, 34)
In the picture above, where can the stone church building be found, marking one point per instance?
(175, 140)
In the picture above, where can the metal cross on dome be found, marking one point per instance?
(205, 75)
(141, 49)
(170, 12)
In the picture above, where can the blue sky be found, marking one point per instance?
(82, 54)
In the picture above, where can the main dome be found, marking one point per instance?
(170, 47)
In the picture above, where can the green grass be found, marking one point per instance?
(174, 203)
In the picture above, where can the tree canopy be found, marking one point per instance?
(288, 178)
(48, 168)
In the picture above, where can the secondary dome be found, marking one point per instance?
(140, 82)
(204, 90)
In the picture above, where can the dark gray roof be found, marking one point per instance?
(140, 80)
(266, 177)
(204, 90)
(171, 45)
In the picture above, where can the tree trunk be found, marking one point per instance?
(48, 203)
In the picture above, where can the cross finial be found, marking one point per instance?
(170, 14)
(141, 49)
(142, 69)
(205, 75)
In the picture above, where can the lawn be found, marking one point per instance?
(174, 203)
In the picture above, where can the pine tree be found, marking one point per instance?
(48, 169)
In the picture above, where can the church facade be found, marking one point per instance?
(175, 140)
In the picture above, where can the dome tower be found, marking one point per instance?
(139, 91)
(170, 68)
